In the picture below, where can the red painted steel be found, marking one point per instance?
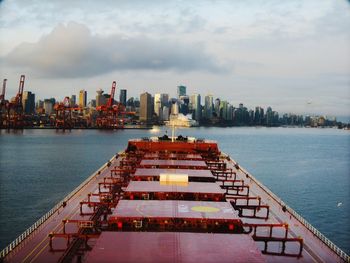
(171, 191)
(172, 156)
(172, 164)
(177, 146)
(155, 172)
(82, 222)
(173, 209)
(131, 247)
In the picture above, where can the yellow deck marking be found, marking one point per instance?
(41, 250)
(205, 209)
(60, 223)
(69, 215)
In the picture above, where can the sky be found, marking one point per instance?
(291, 55)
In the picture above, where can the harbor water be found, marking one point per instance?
(307, 168)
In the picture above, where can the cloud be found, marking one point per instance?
(72, 51)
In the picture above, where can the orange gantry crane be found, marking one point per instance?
(3, 105)
(110, 116)
(63, 118)
(15, 117)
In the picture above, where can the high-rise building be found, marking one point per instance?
(230, 113)
(223, 110)
(160, 100)
(165, 113)
(92, 104)
(123, 96)
(157, 105)
(184, 104)
(195, 102)
(217, 106)
(28, 102)
(73, 100)
(174, 108)
(48, 106)
(181, 91)
(208, 106)
(100, 99)
(82, 98)
(146, 109)
(39, 104)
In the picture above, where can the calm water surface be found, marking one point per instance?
(308, 168)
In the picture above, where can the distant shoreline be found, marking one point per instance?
(152, 126)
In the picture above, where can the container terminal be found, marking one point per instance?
(172, 199)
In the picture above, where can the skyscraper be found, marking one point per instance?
(160, 100)
(184, 104)
(224, 110)
(100, 99)
(195, 102)
(123, 96)
(146, 109)
(48, 106)
(73, 100)
(217, 106)
(208, 107)
(181, 91)
(28, 102)
(157, 105)
(82, 98)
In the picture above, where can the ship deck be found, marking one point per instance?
(99, 222)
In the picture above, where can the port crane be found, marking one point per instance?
(3, 104)
(63, 119)
(14, 117)
(110, 115)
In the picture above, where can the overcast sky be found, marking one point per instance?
(291, 55)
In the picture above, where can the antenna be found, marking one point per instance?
(173, 133)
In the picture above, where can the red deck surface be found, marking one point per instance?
(131, 247)
(191, 187)
(177, 163)
(174, 209)
(179, 246)
(172, 156)
(158, 171)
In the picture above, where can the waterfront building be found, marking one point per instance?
(39, 104)
(181, 120)
(251, 117)
(146, 109)
(123, 96)
(258, 115)
(82, 98)
(196, 107)
(269, 116)
(48, 106)
(223, 110)
(208, 107)
(100, 99)
(92, 103)
(157, 105)
(184, 104)
(230, 113)
(174, 108)
(28, 102)
(181, 91)
(217, 106)
(73, 100)
(165, 113)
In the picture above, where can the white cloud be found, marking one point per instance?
(283, 52)
(72, 51)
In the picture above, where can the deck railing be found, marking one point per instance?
(316, 232)
(41, 220)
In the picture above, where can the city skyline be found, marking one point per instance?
(196, 99)
(291, 56)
